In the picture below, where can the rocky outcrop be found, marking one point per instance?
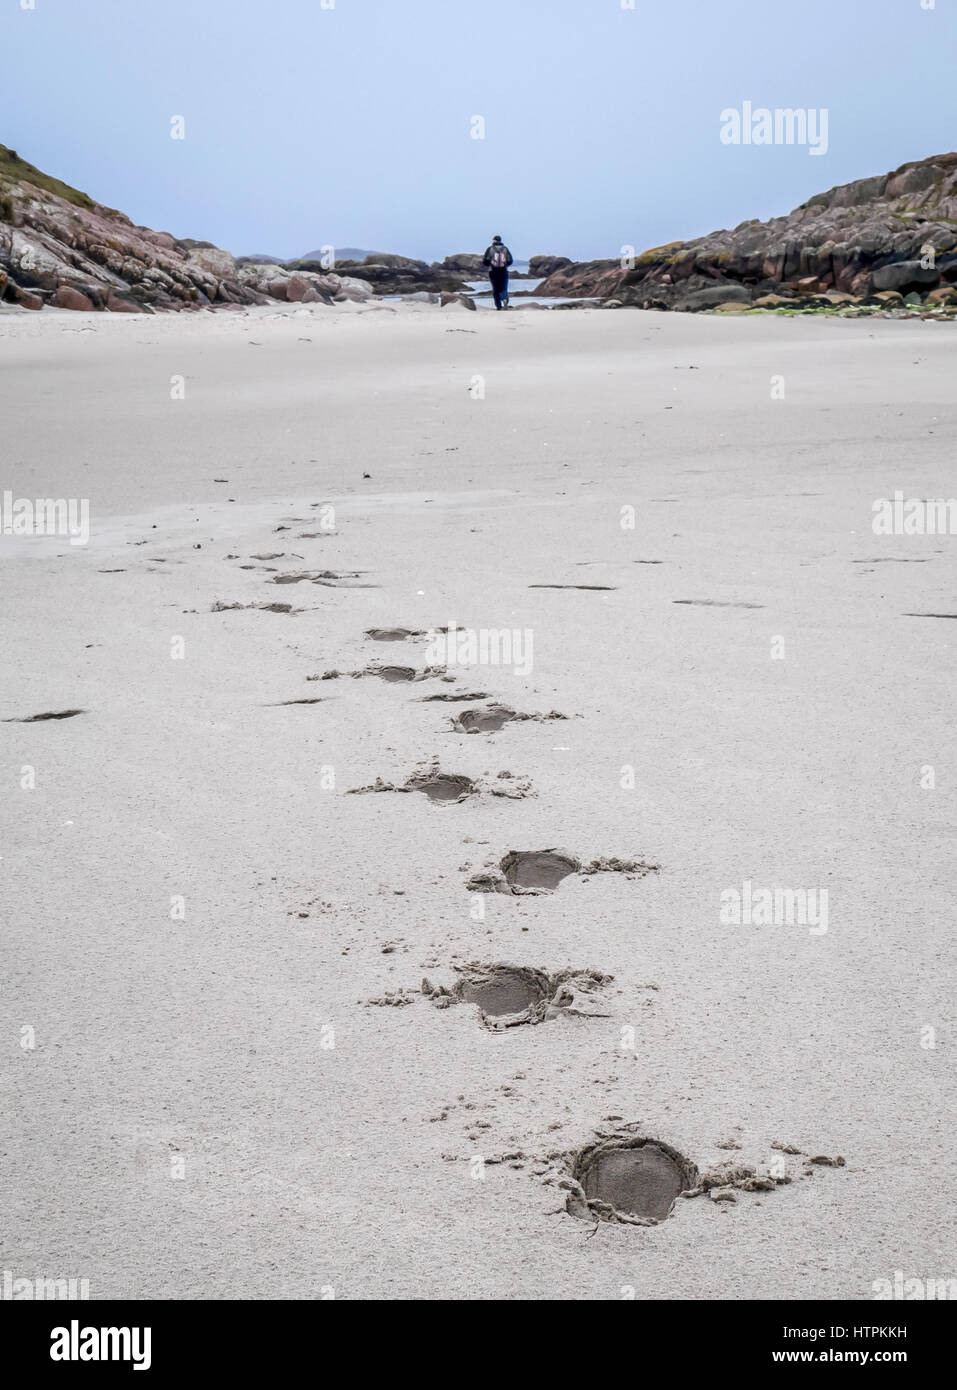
(464, 263)
(584, 280)
(447, 300)
(897, 231)
(59, 246)
(541, 266)
(391, 274)
(302, 286)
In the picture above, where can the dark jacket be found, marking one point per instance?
(487, 258)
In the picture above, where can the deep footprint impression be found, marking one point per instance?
(490, 718)
(631, 1178)
(392, 634)
(445, 788)
(539, 870)
(394, 674)
(483, 721)
(542, 870)
(501, 990)
(508, 996)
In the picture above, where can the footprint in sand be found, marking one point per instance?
(453, 697)
(329, 578)
(509, 996)
(393, 674)
(542, 870)
(492, 718)
(629, 1178)
(393, 634)
(447, 788)
(442, 787)
(219, 607)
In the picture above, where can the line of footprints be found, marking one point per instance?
(623, 1174)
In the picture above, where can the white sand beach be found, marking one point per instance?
(201, 1098)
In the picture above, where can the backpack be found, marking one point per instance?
(499, 257)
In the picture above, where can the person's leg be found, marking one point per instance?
(505, 289)
(496, 282)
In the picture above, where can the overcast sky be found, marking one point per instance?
(353, 125)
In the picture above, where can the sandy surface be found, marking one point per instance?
(202, 1046)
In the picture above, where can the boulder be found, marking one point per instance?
(348, 291)
(448, 301)
(296, 289)
(541, 266)
(464, 263)
(67, 298)
(773, 301)
(117, 304)
(723, 294)
(26, 300)
(355, 288)
(903, 274)
(210, 258)
(946, 294)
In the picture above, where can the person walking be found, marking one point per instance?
(498, 258)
